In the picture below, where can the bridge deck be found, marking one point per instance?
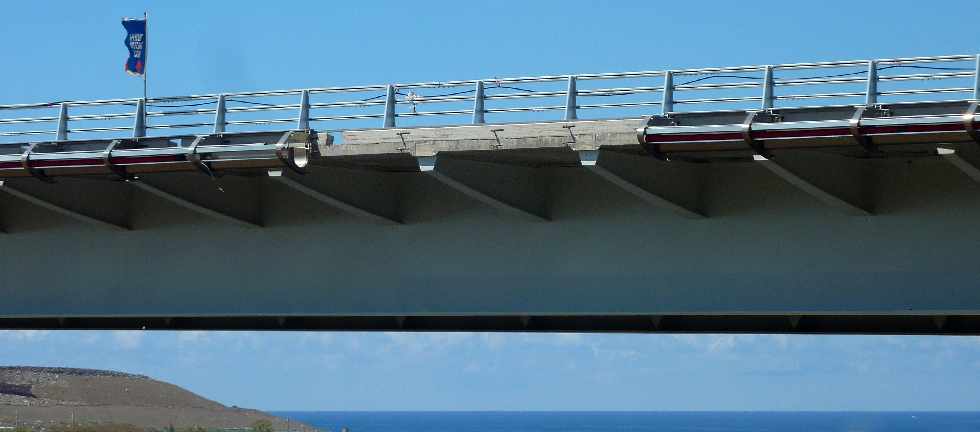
(537, 226)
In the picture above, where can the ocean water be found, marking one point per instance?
(639, 421)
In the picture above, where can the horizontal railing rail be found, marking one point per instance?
(501, 100)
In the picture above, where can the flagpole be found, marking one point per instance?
(146, 51)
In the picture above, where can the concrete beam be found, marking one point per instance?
(837, 181)
(65, 209)
(229, 199)
(514, 190)
(964, 160)
(536, 136)
(191, 205)
(671, 186)
(367, 208)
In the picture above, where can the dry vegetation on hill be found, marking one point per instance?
(80, 400)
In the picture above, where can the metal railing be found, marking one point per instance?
(502, 100)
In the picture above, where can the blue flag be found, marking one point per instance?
(136, 43)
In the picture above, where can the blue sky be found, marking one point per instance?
(492, 371)
(74, 50)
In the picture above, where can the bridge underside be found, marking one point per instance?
(583, 232)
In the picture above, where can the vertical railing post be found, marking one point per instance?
(872, 95)
(390, 107)
(976, 80)
(667, 104)
(303, 123)
(767, 87)
(478, 104)
(219, 115)
(571, 102)
(63, 122)
(139, 124)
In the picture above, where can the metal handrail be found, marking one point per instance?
(725, 88)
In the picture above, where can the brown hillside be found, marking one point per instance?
(39, 396)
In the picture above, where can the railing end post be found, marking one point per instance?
(872, 94)
(767, 89)
(976, 80)
(63, 122)
(479, 110)
(571, 103)
(219, 115)
(667, 104)
(303, 123)
(390, 106)
(139, 124)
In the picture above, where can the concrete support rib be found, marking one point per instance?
(839, 183)
(295, 183)
(638, 176)
(962, 161)
(193, 206)
(510, 189)
(5, 186)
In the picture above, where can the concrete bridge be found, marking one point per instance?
(708, 222)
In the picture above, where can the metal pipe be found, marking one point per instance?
(348, 117)
(102, 129)
(719, 100)
(821, 95)
(927, 91)
(28, 120)
(526, 109)
(101, 116)
(35, 132)
(435, 113)
(268, 121)
(619, 105)
(181, 125)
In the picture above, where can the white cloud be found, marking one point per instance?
(421, 342)
(323, 338)
(569, 339)
(128, 339)
(23, 335)
(193, 336)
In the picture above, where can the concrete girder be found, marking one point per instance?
(231, 199)
(191, 205)
(837, 181)
(511, 189)
(672, 186)
(104, 210)
(771, 259)
(361, 193)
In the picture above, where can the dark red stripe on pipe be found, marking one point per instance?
(718, 136)
(800, 133)
(912, 128)
(47, 163)
(127, 160)
(806, 133)
(120, 160)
